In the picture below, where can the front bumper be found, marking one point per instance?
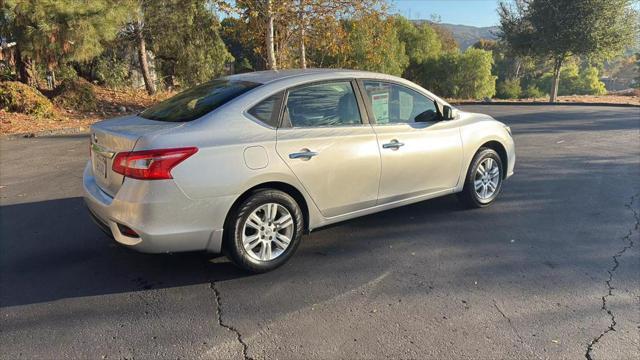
(159, 212)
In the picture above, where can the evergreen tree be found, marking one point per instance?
(53, 32)
(559, 29)
(186, 41)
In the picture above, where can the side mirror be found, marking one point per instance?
(449, 113)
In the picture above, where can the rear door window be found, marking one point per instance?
(322, 104)
(197, 101)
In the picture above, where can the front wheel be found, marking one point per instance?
(484, 179)
(265, 231)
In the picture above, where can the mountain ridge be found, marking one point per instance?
(465, 35)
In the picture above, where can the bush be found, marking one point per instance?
(589, 82)
(474, 79)
(6, 73)
(66, 72)
(21, 98)
(76, 94)
(459, 75)
(532, 92)
(575, 81)
(508, 89)
(112, 72)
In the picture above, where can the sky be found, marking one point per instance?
(464, 12)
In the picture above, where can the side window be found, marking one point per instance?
(393, 103)
(268, 110)
(324, 104)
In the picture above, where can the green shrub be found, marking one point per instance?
(532, 92)
(76, 94)
(66, 72)
(508, 89)
(474, 79)
(575, 81)
(7, 74)
(459, 75)
(112, 72)
(589, 82)
(21, 98)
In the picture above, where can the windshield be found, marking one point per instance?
(197, 101)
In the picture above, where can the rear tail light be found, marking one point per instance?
(150, 164)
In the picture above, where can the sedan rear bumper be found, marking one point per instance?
(163, 217)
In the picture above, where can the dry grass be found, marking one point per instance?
(632, 98)
(109, 103)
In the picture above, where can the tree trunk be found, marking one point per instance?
(271, 53)
(303, 51)
(144, 66)
(26, 69)
(553, 96)
(169, 78)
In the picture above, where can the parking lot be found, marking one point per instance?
(550, 271)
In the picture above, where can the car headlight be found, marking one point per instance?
(508, 129)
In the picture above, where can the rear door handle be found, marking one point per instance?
(304, 154)
(393, 144)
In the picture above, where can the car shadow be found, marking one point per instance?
(52, 250)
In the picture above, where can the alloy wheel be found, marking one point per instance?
(267, 232)
(487, 179)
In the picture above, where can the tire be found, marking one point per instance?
(256, 250)
(473, 198)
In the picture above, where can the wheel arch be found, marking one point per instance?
(276, 185)
(500, 149)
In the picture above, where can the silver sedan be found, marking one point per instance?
(246, 164)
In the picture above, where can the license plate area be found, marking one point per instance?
(100, 166)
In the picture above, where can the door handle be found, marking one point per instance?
(304, 154)
(393, 144)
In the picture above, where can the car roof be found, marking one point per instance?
(276, 80)
(268, 76)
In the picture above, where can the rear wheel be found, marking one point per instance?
(484, 179)
(265, 231)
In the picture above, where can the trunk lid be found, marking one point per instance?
(110, 137)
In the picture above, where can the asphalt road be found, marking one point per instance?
(524, 278)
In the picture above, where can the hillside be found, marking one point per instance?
(466, 35)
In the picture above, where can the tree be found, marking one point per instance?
(559, 29)
(315, 16)
(136, 32)
(474, 79)
(373, 45)
(460, 75)
(237, 37)
(266, 12)
(289, 31)
(421, 42)
(447, 41)
(185, 38)
(575, 79)
(57, 31)
(637, 84)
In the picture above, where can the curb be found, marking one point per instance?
(540, 103)
(81, 130)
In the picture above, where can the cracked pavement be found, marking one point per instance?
(550, 271)
(628, 244)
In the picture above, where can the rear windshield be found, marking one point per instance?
(197, 101)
